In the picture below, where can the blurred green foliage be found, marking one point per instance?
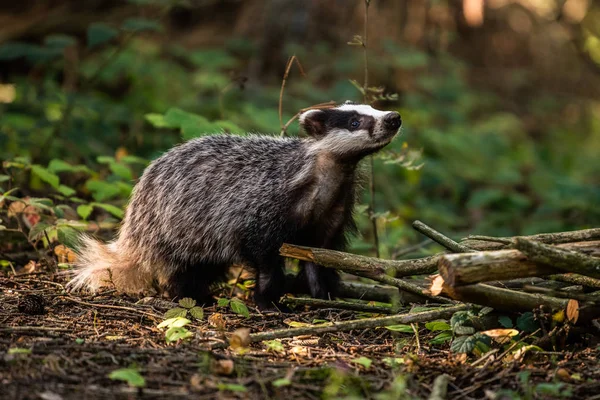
(79, 134)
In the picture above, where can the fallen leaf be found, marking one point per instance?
(240, 339)
(216, 320)
(573, 311)
(223, 367)
(65, 254)
(501, 335)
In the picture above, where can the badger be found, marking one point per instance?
(221, 200)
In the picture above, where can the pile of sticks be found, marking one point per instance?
(555, 271)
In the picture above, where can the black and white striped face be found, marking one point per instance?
(350, 130)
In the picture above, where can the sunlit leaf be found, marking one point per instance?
(129, 375)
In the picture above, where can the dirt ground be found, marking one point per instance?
(69, 351)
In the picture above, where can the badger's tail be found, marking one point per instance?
(107, 265)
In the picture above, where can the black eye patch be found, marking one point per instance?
(338, 119)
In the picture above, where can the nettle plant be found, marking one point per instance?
(73, 193)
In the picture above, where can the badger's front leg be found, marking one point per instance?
(270, 286)
(322, 282)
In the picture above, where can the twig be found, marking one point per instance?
(562, 294)
(508, 300)
(568, 261)
(237, 279)
(410, 249)
(363, 291)
(439, 238)
(440, 313)
(474, 242)
(577, 279)
(342, 305)
(353, 263)
(95, 305)
(288, 67)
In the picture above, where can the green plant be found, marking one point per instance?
(186, 306)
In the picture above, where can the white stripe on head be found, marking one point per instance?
(363, 109)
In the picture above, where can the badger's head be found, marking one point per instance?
(351, 130)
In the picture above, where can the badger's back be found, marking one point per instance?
(214, 199)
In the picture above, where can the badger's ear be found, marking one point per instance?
(313, 122)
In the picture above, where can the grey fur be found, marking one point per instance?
(219, 200)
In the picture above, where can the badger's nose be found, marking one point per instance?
(392, 120)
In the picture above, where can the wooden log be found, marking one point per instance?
(468, 268)
(368, 267)
(353, 263)
(560, 258)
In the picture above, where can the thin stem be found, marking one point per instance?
(371, 210)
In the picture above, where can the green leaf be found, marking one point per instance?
(19, 350)
(84, 211)
(100, 33)
(438, 326)
(114, 210)
(197, 312)
(4, 178)
(464, 330)
(137, 24)
(56, 166)
(37, 231)
(176, 312)
(459, 318)
(106, 159)
(158, 121)
(238, 307)
(129, 375)
(59, 41)
(505, 321)
(66, 191)
(222, 302)
(364, 361)
(274, 345)
(67, 236)
(281, 382)
(233, 387)
(121, 171)
(101, 190)
(400, 328)
(46, 175)
(176, 322)
(187, 302)
(393, 361)
(441, 338)
(175, 333)
(79, 341)
(527, 323)
(463, 344)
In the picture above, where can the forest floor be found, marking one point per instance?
(69, 351)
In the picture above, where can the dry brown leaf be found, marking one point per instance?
(563, 375)
(240, 339)
(573, 311)
(216, 320)
(30, 268)
(299, 350)
(120, 153)
(223, 367)
(65, 254)
(501, 335)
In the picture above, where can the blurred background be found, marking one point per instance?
(499, 100)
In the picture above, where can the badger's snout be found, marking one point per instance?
(392, 121)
